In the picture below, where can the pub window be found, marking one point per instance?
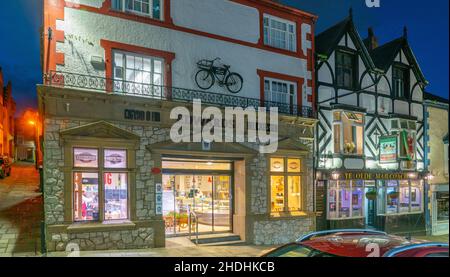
(345, 199)
(90, 177)
(286, 184)
(346, 70)
(138, 74)
(348, 133)
(400, 80)
(400, 197)
(150, 8)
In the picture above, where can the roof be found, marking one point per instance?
(432, 97)
(384, 56)
(328, 40)
(354, 244)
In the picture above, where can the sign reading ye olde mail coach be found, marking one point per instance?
(377, 176)
(388, 149)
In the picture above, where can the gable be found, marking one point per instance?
(99, 130)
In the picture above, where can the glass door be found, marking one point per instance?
(208, 196)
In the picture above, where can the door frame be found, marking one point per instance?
(212, 173)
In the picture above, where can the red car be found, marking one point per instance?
(358, 243)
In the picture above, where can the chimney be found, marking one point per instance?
(373, 41)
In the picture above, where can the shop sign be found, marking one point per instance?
(115, 158)
(377, 176)
(388, 149)
(138, 115)
(85, 158)
(159, 199)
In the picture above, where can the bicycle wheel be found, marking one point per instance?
(234, 82)
(204, 79)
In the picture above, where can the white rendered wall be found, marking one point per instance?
(84, 30)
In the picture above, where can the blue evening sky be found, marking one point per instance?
(427, 22)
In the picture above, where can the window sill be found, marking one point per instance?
(120, 225)
(346, 218)
(287, 215)
(397, 214)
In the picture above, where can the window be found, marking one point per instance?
(279, 33)
(442, 206)
(90, 178)
(138, 74)
(345, 199)
(346, 70)
(286, 184)
(348, 133)
(400, 80)
(151, 8)
(400, 197)
(278, 91)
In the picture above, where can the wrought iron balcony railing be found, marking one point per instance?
(102, 84)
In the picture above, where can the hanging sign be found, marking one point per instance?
(388, 149)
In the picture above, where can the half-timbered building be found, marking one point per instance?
(369, 139)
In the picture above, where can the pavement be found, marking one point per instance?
(20, 212)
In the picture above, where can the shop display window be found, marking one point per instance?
(277, 184)
(400, 197)
(85, 196)
(286, 185)
(91, 177)
(442, 206)
(404, 196)
(116, 196)
(345, 199)
(294, 195)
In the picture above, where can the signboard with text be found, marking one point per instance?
(388, 149)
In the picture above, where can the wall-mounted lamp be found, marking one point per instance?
(335, 175)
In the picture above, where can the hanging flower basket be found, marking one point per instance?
(394, 195)
(371, 195)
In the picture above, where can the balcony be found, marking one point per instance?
(183, 95)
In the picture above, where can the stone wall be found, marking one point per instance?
(109, 240)
(272, 232)
(54, 185)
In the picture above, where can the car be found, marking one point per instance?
(358, 243)
(5, 167)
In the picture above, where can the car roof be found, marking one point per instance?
(355, 244)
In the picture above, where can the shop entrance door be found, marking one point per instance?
(370, 195)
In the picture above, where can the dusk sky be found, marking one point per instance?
(427, 22)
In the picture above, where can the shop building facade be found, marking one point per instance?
(436, 143)
(113, 178)
(370, 136)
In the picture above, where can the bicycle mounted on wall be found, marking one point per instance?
(208, 74)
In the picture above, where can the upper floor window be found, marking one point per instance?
(151, 8)
(348, 133)
(279, 91)
(138, 74)
(400, 81)
(279, 33)
(346, 69)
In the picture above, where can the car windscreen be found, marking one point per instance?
(297, 251)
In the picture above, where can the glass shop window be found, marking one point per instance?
(85, 196)
(400, 197)
(286, 184)
(116, 196)
(442, 206)
(90, 177)
(348, 133)
(345, 199)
